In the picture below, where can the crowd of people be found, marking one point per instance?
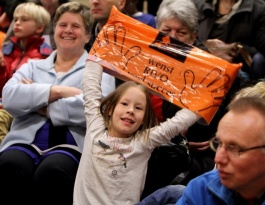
(73, 134)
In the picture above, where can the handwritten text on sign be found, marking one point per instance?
(180, 73)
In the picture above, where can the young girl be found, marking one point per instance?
(121, 135)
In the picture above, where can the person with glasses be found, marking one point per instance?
(239, 177)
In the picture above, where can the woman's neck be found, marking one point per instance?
(225, 6)
(64, 64)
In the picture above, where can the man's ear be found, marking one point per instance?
(121, 4)
(88, 37)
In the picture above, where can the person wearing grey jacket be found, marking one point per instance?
(40, 155)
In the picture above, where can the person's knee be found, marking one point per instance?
(13, 158)
(56, 166)
(175, 189)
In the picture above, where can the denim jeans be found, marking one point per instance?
(257, 69)
(168, 195)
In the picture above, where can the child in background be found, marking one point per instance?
(121, 135)
(30, 21)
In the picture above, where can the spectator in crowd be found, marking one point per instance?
(30, 21)
(40, 154)
(50, 6)
(131, 9)
(170, 194)
(119, 140)
(100, 11)
(240, 156)
(192, 156)
(234, 31)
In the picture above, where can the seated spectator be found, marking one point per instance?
(30, 21)
(131, 9)
(50, 6)
(234, 30)
(40, 154)
(179, 19)
(169, 194)
(240, 156)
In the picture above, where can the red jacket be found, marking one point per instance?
(15, 56)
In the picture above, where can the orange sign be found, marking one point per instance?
(184, 75)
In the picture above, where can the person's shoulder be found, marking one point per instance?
(8, 48)
(258, 6)
(259, 2)
(45, 49)
(45, 63)
(206, 178)
(150, 16)
(200, 190)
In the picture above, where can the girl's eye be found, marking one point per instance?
(139, 108)
(123, 103)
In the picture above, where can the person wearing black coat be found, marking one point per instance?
(235, 30)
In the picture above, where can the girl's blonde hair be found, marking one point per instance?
(109, 103)
(33, 11)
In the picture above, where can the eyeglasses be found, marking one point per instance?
(231, 149)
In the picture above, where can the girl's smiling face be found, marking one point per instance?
(128, 114)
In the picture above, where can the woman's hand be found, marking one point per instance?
(26, 81)
(42, 111)
(222, 50)
(58, 92)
